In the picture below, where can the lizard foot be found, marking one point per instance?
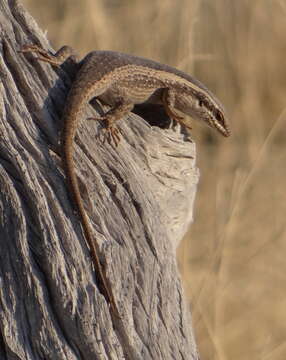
(111, 133)
(43, 55)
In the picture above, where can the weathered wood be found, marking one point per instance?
(139, 198)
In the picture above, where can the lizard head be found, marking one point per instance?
(207, 109)
(217, 119)
(198, 102)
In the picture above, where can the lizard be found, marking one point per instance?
(122, 81)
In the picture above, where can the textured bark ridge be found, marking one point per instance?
(139, 198)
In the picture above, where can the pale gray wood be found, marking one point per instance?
(139, 198)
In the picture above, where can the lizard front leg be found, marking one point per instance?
(168, 99)
(120, 110)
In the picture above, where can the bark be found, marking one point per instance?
(139, 198)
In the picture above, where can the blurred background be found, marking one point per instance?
(232, 261)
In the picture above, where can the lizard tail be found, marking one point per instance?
(70, 120)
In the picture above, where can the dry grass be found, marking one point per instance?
(233, 261)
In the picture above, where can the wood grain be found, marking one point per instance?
(139, 198)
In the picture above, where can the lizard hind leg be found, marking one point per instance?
(119, 111)
(57, 59)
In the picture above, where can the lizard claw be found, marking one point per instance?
(28, 48)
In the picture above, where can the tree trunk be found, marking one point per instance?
(139, 199)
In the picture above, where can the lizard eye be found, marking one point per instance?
(200, 103)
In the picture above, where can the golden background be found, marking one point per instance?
(233, 259)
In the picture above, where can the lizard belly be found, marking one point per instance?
(133, 95)
(139, 95)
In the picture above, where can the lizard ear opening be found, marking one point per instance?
(154, 114)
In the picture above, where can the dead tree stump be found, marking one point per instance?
(139, 198)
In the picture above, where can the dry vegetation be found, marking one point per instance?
(233, 260)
